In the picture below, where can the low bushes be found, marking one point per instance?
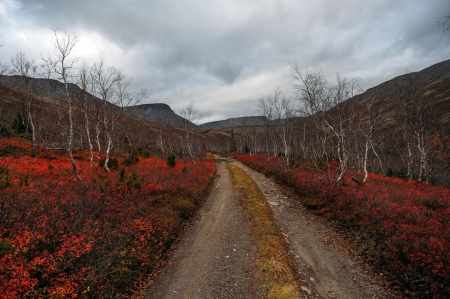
(409, 221)
(60, 238)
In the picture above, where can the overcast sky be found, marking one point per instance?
(225, 55)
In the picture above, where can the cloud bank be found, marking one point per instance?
(225, 55)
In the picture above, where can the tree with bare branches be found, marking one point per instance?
(3, 67)
(415, 122)
(60, 65)
(85, 82)
(366, 118)
(110, 86)
(326, 103)
(444, 24)
(279, 114)
(190, 119)
(26, 69)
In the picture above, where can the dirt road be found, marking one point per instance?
(217, 258)
(327, 272)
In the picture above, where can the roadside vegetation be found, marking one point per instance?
(98, 237)
(406, 224)
(273, 263)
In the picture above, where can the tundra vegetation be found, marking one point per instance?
(96, 238)
(89, 204)
(92, 197)
(405, 226)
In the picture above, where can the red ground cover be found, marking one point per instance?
(61, 238)
(409, 221)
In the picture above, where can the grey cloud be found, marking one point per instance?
(227, 72)
(182, 50)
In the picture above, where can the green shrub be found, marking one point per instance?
(143, 152)
(121, 174)
(113, 163)
(185, 207)
(171, 160)
(19, 124)
(5, 132)
(396, 173)
(5, 179)
(133, 180)
(132, 159)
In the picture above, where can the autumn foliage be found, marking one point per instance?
(408, 221)
(61, 238)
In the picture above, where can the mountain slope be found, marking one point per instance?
(234, 122)
(52, 90)
(158, 113)
(433, 82)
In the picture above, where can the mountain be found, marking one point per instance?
(45, 89)
(430, 79)
(52, 90)
(158, 113)
(432, 82)
(234, 122)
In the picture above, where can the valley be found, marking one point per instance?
(342, 196)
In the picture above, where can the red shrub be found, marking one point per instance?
(412, 220)
(95, 238)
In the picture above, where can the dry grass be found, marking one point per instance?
(274, 265)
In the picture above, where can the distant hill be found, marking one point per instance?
(433, 82)
(430, 75)
(52, 90)
(158, 113)
(234, 122)
(46, 89)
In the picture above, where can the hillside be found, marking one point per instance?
(52, 90)
(158, 113)
(428, 76)
(234, 122)
(44, 89)
(433, 83)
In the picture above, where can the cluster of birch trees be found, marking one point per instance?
(399, 133)
(88, 114)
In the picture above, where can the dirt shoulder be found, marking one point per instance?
(216, 258)
(327, 271)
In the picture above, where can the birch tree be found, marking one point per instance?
(367, 115)
(110, 86)
(311, 89)
(190, 119)
(416, 122)
(325, 102)
(85, 82)
(3, 67)
(60, 66)
(279, 113)
(26, 69)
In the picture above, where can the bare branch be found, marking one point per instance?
(59, 65)
(444, 24)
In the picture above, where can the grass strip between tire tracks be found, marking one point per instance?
(274, 263)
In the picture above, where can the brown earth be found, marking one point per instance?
(217, 257)
(326, 265)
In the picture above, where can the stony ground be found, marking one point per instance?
(328, 271)
(217, 257)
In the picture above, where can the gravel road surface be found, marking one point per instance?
(327, 272)
(216, 258)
